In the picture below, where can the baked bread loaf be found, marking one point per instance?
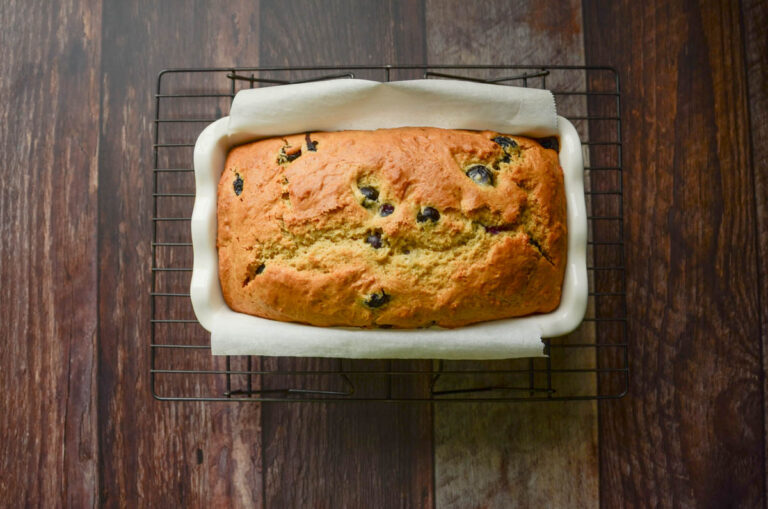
(404, 227)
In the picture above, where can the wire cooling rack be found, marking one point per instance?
(590, 363)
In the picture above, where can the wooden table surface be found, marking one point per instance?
(78, 424)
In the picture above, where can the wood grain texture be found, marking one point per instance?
(345, 454)
(78, 425)
(690, 433)
(516, 455)
(530, 454)
(159, 454)
(754, 15)
(519, 32)
(49, 90)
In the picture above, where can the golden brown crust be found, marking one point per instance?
(298, 242)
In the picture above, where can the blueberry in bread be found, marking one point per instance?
(403, 227)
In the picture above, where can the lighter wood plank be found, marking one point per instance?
(516, 455)
(531, 454)
(49, 98)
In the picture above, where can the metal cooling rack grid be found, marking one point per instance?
(591, 363)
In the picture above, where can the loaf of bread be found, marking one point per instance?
(406, 227)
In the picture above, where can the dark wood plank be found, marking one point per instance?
(161, 454)
(690, 432)
(49, 99)
(528, 454)
(345, 454)
(754, 15)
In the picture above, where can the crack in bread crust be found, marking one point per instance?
(298, 248)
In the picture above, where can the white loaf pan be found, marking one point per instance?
(259, 336)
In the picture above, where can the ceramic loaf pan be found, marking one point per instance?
(245, 334)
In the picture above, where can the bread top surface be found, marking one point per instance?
(394, 227)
